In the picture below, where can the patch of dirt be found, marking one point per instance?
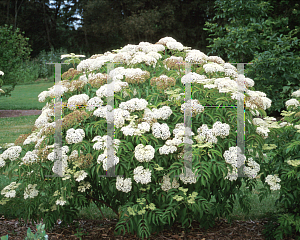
(104, 229)
(18, 113)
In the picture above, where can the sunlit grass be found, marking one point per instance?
(12, 128)
(25, 97)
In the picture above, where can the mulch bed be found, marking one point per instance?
(18, 113)
(104, 229)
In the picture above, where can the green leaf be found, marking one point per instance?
(130, 145)
(215, 169)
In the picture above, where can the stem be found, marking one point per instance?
(89, 197)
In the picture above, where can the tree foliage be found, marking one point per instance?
(14, 49)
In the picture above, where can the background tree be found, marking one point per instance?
(14, 49)
(112, 24)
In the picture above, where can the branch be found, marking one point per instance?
(89, 197)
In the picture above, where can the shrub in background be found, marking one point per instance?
(284, 166)
(46, 70)
(149, 90)
(246, 31)
(276, 71)
(14, 49)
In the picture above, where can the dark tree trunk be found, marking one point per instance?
(46, 25)
(16, 13)
(85, 37)
(7, 12)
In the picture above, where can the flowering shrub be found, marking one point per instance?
(282, 171)
(146, 190)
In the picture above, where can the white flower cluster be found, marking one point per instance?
(102, 142)
(172, 58)
(53, 91)
(221, 129)
(170, 145)
(39, 141)
(116, 85)
(119, 115)
(193, 77)
(75, 100)
(161, 131)
(162, 113)
(83, 186)
(188, 177)
(30, 191)
(230, 72)
(30, 157)
(124, 185)
(292, 102)
(196, 107)
(226, 85)
(32, 138)
(140, 57)
(60, 201)
(206, 135)
(75, 136)
(147, 47)
(257, 99)
(247, 81)
(80, 175)
(131, 129)
(12, 153)
(265, 124)
(174, 46)
(179, 133)
(144, 153)
(142, 175)
(94, 102)
(134, 104)
(229, 66)
(263, 132)
(166, 185)
(253, 168)
(64, 151)
(60, 166)
(44, 118)
(296, 93)
(231, 157)
(273, 180)
(165, 40)
(9, 191)
(213, 67)
(215, 59)
(2, 162)
(72, 55)
(195, 56)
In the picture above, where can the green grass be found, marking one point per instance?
(12, 128)
(25, 97)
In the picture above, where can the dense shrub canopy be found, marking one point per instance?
(14, 49)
